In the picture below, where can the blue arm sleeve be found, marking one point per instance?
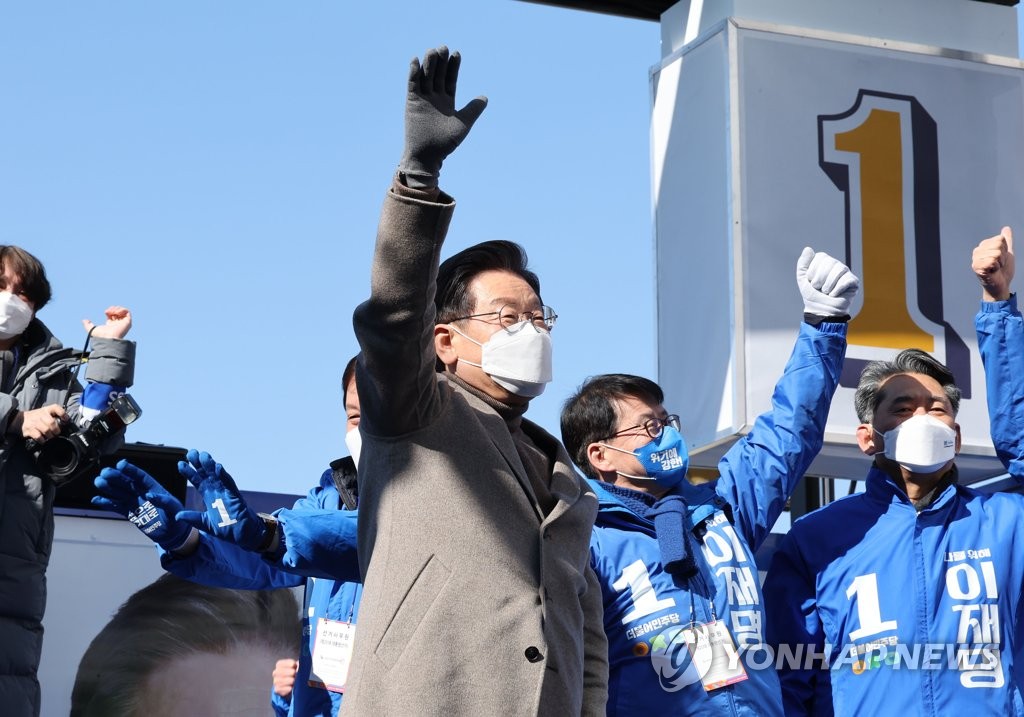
(1000, 332)
(320, 543)
(793, 628)
(222, 564)
(225, 565)
(280, 704)
(760, 472)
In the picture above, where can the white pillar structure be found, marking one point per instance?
(885, 132)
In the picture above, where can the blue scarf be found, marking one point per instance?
(672, 526)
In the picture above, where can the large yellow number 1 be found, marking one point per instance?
(882, 153)
(883, 319)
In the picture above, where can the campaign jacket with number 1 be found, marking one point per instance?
(644, 605)
(940, 589)
(318, 526)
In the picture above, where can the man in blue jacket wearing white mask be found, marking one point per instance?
(907, 595)
(676, 561)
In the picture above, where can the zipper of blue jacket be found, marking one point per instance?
(921, 630)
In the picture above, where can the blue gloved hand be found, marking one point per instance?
(130, 491)
(227, 515)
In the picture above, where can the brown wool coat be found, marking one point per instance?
(475, 603)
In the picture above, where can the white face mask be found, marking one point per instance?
(517, 358)
(921, 444)
(15, 315)
(354, 441)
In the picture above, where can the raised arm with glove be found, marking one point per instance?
(433, 127)
(827, 286)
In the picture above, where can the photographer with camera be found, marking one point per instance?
(40, 399)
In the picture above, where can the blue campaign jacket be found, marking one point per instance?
(869, 570)
(1000, 330)
(222, 564)
(644, 605)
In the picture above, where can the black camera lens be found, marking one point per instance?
(75, 453)
(58, 457)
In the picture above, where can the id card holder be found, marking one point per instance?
(714, 654)
(332, 654)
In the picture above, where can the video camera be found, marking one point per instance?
(73, 453)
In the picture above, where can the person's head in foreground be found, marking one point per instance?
(180, 648)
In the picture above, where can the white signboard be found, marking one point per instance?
(896, 159)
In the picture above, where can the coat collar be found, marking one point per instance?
(881, 487)
(565, 485)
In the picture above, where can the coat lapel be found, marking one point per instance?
(497, 431)
(565, 485)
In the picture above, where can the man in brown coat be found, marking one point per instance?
(474, 528)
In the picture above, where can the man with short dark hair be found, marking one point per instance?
(904, 599)
(473, 525)
(676, 561)
(40, 397)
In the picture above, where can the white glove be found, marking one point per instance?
(827, 285)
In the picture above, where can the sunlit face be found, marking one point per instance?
(909, 394)
(202, 683)
(491, 290)
(615, 456)
(351, 405)
(901, 397)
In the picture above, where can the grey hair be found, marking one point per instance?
(869, 393)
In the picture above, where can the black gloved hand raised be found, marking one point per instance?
(433, 128)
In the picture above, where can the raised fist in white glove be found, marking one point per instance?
(827, 285)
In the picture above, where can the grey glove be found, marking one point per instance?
(433, 128)
(827, 285)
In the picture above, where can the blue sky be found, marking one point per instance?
(219, 168)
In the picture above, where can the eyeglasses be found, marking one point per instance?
(653, 426)
(509, 316)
